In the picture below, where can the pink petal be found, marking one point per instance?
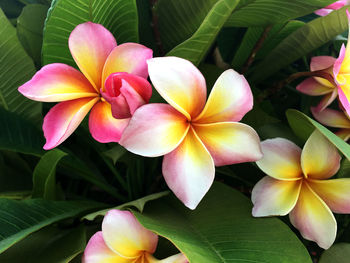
(230, 142)
(189, 170)
(90, 44)
(57, 82)
(273, 197)
(281, 159)
(327, 100)
(312, 217)
(332, 118)
(230, 99)
(323, 11)
(154, 130)
(62, 120)
(338, 65)
(180, 83)
(178, 258)
(313, 88)
(345, 100)
(103, 126)
(320, 158)
(321, 62)
(125, 235)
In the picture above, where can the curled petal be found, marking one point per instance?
(230, 142)
(313, 88)
(323, 63)
(189, 170)
(335, 193)
(154, 130)
(327, 100)
(331, 118)
(103, 126)
(281, 159)
(178, 258)
(57, 82)
(180, 83)
(312, 217)
(230, 99)
(125, 235)
(90, 44)
(62, 120)
(319, 158)
(272, 197)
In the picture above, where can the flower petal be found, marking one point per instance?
(126, 236)
(178, 258)
(97, 251)
(313, 88)
(189, 170)
(345, 97)
(230, 142)
(281, 159)
(327, 100)
(344, 134)
(62, 120)
(272, 197)
(319, 158)
(103, 126)
(57, 82)
(312, 217)
(90, 44)
(335, 193)
(154, 130)
(180, 83)
(230, 99)
(128, 57)
(323, 63)
(332, 118)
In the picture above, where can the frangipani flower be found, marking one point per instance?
(192, 134)
(335, 6)
(335, 119)
(296, 185)
(124, 240)
(97, 55)
(317, 86)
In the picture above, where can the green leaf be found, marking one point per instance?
(301, 42)
(18, 219)
(303, 126)
(30, 26)
(344, 170)
(197, 46)
(16, 67)
(44, 175)
(17, 134)
(118, 16)
(221, 229)
(115, 153)
(338, 253)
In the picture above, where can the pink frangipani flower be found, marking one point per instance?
(330, 8)
(124, 240)
(193, 135)
(296, 185)
(97, 55)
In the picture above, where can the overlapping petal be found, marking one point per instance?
(62, 120)
(189, 170)
(320, 158)
(345, 97)
(126, 236)
(344, 134)
(273, 197)
(230, 142)
(323, 63)
(312, 217)
(180, 83)
(103, 126)
(327, 100)
(281, 159)
(332, 118)
(90, 44)
(154, 130)
(57, 82)
(229, 100)
(313, 88)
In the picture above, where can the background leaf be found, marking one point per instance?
(338, 253)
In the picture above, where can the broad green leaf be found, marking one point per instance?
(197, 46)
(118, 16)
(344, 170)
(115, 153)
(18, 134)
(44, 175)
(50, 244)
(18, 219)
(11, 8)
(303, 126)
(338, 253)
(30, 26)
(16, 67)
(221, 229)
(301, 42)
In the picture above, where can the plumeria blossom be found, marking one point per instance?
(192, 134)
(124, 240)
(317, 86)
(98, 57)
(335, 119)
(330, 8)
(297, 185)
